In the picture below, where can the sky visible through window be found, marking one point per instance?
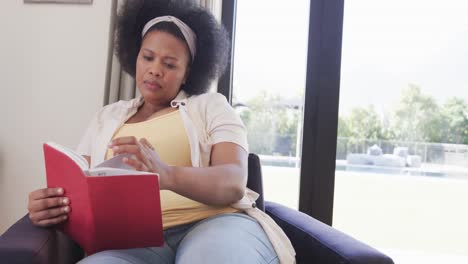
(387, 45)
(270, 48)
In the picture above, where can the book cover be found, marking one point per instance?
(107, 212)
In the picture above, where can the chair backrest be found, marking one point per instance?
(254, 181)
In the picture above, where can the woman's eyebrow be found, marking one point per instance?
(171, 58)
(165, 56)
(146, 49)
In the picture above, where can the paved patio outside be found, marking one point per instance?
(414, 219)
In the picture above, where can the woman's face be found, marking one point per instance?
(161, 67)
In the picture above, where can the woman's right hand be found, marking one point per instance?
(48, 206)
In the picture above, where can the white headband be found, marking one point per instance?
(188, 33)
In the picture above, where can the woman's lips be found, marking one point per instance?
(153, 86)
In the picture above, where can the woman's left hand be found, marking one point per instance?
(144, 157)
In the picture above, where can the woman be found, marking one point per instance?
(193, 139)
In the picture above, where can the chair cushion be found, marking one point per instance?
(316, 242)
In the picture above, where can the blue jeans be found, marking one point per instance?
(227, 238)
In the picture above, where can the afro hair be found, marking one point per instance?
(212, 44)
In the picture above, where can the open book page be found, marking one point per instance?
(113, 167)
(116, 162)
(77, 158)
(103, 171)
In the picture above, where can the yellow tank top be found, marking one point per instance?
(168, 136)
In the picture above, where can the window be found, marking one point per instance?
(268, 89)
(402, 149)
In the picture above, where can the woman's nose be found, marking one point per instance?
(156, 70)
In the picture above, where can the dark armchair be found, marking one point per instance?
(313, 241)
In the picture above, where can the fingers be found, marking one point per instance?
(123, 141)
(44, 204)
(127, 148)
(49, 214)
(52, 221)
(141, 149)
(146, 143)
(45, 208)
(138, 165)
(138, 150)
(44, 193)
(132, 141)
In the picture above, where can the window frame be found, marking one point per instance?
(319, 139)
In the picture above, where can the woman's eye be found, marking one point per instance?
(170, 66)
(148, 58)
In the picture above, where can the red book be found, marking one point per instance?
(111, 208)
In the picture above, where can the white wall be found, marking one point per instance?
(52, 76)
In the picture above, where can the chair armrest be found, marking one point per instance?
(316, 242)
(25, 243)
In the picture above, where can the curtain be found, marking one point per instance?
(119, 84)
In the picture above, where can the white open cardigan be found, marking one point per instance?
(208, 119)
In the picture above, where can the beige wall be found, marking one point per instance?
(52, 77)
